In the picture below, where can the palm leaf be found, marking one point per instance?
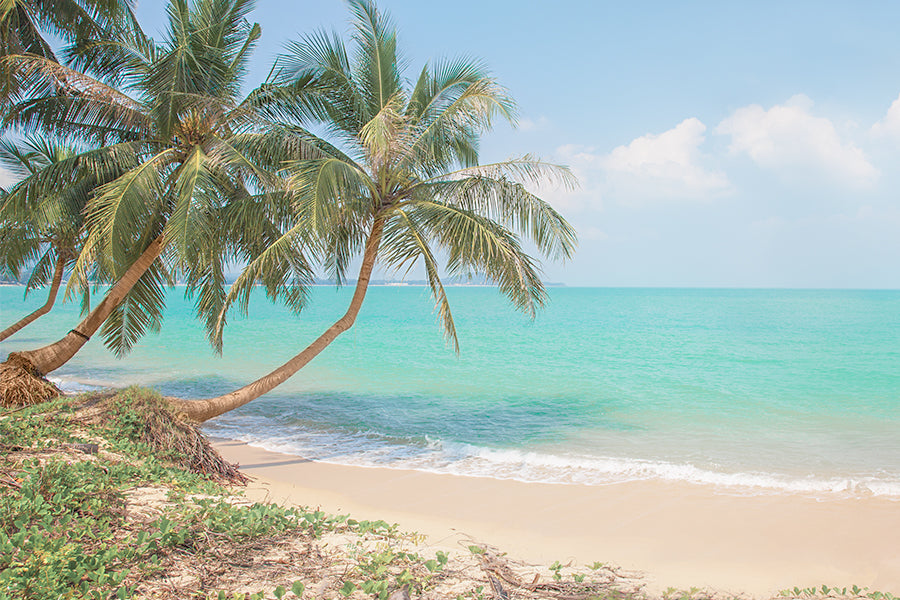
(141, 311)
(377, 65)
(126, 205)
(404, 243)
(477, 244)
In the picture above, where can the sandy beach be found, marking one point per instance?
(677, 535)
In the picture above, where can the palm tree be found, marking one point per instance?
(187, 167)
(44, 233)
(407, 186)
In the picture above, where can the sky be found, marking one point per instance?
(717, 144)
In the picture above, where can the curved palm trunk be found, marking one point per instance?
(203, 410)
(51, 298)
(50, 358)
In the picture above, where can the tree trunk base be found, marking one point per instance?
(164, 429)
(21, 384)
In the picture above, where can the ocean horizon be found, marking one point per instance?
(752, 390)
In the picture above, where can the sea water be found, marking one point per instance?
(753, 391)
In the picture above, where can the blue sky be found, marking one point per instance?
(717, 144)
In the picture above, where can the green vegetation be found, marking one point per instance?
(97, 501)
(72, 524)
(45, 241)
(836, 592)
(175, 171)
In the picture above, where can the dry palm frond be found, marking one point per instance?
(22, 385)
(169, 434)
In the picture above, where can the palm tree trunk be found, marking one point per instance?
(50, 358)
(51, 298)
(203, 410)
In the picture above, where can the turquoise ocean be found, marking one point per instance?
(754, 391)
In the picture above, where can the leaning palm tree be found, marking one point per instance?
(187, 167)
(43, 234)
(406, 188)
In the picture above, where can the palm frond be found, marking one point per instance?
(41, 77)
(438, 87)
(67, 183)
(404, 243)
(496, 191)
(118, 54)
(20, 162)
(141, 311)
(383, 134)
(127, 205)
(96, 120)
(477, 244)
(19, 247)
(42, 271)
(20, 32)
(190, 216)
(377, 66)
(284, 271)
(336, 99)
(296, 102)
(450, 132)
(328, 191)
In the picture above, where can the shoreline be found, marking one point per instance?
(677, 534)
(529, 466)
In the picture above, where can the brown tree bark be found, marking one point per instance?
(51, 298)
(50, 358)
(203, 410)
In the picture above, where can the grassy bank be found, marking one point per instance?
(112, 496)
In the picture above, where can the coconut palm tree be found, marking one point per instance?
(187, 167)
(407, 187)
(44, 234)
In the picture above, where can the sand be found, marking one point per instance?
(678, 535)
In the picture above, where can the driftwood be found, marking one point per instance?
(506, 582)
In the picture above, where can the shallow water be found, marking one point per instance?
(757, 390)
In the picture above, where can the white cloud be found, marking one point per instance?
(672, 158)
(890, 124)
(538, 124)
(653, 167)
(789, 138)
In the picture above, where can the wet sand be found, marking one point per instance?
(677, 535)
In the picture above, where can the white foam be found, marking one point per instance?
(369, 449)
(75, 386)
